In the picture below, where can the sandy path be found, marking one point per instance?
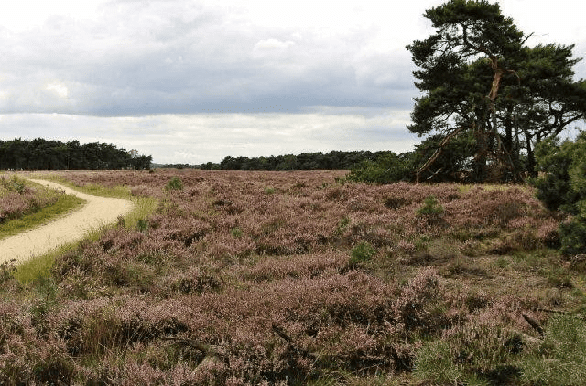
(97, 211)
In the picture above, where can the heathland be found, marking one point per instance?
(301, 278)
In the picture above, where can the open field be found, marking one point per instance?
(301, 278)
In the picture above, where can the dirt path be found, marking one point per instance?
(97, 211)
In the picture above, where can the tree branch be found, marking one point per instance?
(533, 323)
(437, 153)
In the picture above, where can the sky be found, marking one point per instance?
(190, 81)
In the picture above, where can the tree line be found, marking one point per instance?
(41, 154)
(334, 160)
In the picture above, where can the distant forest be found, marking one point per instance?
(40, 154)
(334, 160)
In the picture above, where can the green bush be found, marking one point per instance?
(455, 162)
(361, 253)
(387, 168)
(14, 184)
(174, 184)
(573, 236)
(431, 209)
(563, 187)
(563, 165)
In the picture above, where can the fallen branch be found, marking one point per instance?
(206, 349)
(533, 323)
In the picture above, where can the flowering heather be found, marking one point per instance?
(279, 278)
(17, 198)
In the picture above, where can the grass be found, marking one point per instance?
(560, 358)
(117, 191)
(36, 269)
(143, 207)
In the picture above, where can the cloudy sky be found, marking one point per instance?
(192, 81)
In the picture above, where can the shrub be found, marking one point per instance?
(573, 236)
(431, 210)
(563, 187)
(361, 253)
(174, 183)
(387, 168)
(14, 184)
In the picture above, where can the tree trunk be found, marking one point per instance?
(531, 163)
(508, 123)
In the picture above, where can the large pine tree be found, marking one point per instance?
(480, 81)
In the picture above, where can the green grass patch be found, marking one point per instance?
(98, 190)
(143, 208)
(37, 268)
(118, 191)
(560, 358)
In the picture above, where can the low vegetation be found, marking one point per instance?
(318, 282)
(25, 205)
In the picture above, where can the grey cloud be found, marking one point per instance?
(180, 57)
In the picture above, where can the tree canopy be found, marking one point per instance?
(334, 160)
(40, 154)
(481, 81)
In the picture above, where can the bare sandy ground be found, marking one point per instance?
(96, 212)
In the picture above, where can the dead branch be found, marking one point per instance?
(206, 349)
(437, 153)
(533, 323)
